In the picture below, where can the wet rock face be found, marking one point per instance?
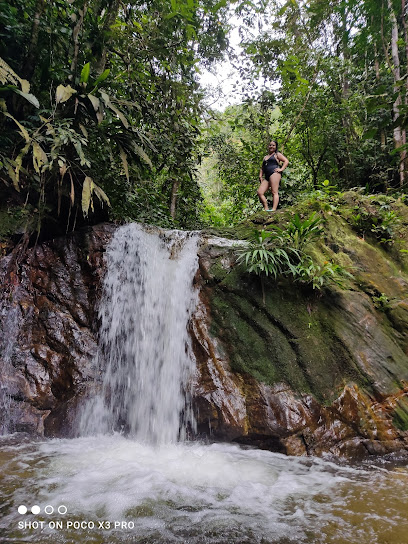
(299, 374)
(233, 406)
(48, 320)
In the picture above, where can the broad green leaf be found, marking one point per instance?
(25, 86)
(105, 97)
(100, 193)
(139, 151)
(80, 152)
(83, 130)
(7, 74)
(30, 97)
(23, 131)
(107, 100)
(95, 101)
(102, 77)
(62, 94)
(39, 157)
(119, 114)
(14, 178)
(19, 162)
(87, 189)
(85, 73)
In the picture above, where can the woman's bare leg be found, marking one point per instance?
(263, 187)
(274, 181)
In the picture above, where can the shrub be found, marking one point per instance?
(281, 252)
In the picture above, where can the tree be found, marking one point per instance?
(325, 60)
(99, 104)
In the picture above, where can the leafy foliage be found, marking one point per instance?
(267, 254)
(301, 233)
(319, 276)
(99, 107)
(281, 252)
(373, 216)
(339, 74)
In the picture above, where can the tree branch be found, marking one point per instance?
(30, 62)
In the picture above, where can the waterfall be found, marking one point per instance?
(10, 322)
(10, 330)
(144, 348)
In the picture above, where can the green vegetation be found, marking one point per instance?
(102, 115)
(401, 414)
(99, 109)
(381, 302)
(268, 254)
(282, 252)
(338, 107)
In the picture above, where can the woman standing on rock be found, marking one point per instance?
(270, 175)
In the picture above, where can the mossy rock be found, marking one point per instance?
(311, 340)
(400, 415)
(292, 338)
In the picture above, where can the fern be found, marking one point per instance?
(265, 254)
(7, 74)
(280, 253)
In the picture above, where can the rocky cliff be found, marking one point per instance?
(299, 373)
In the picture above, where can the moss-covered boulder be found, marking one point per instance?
(288, 367)
(306, 371)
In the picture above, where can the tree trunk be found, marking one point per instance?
(112, 13)
(398, 133)
(30, 61)
(344, 39)
(173, 202)
(75, 36)
(378, 77)
(404, 9)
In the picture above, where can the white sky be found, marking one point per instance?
(219, 81)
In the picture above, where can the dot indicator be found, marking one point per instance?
(22, 509)
(49, 509)
(62, 509)
(35, 509)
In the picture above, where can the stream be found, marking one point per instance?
(134, 475)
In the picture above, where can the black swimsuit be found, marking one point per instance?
(270, 165)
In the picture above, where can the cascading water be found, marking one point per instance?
(144, 489)
(144, 354)
(10, 320)
(10, 329)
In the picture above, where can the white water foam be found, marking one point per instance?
(145, 354)
(10, 319)
(184, 492)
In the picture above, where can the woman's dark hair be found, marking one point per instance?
(275, 142)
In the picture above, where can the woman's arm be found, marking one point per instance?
(283, 159)
(261, 173)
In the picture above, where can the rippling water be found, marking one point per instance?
(193, 493)
(150, 489)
